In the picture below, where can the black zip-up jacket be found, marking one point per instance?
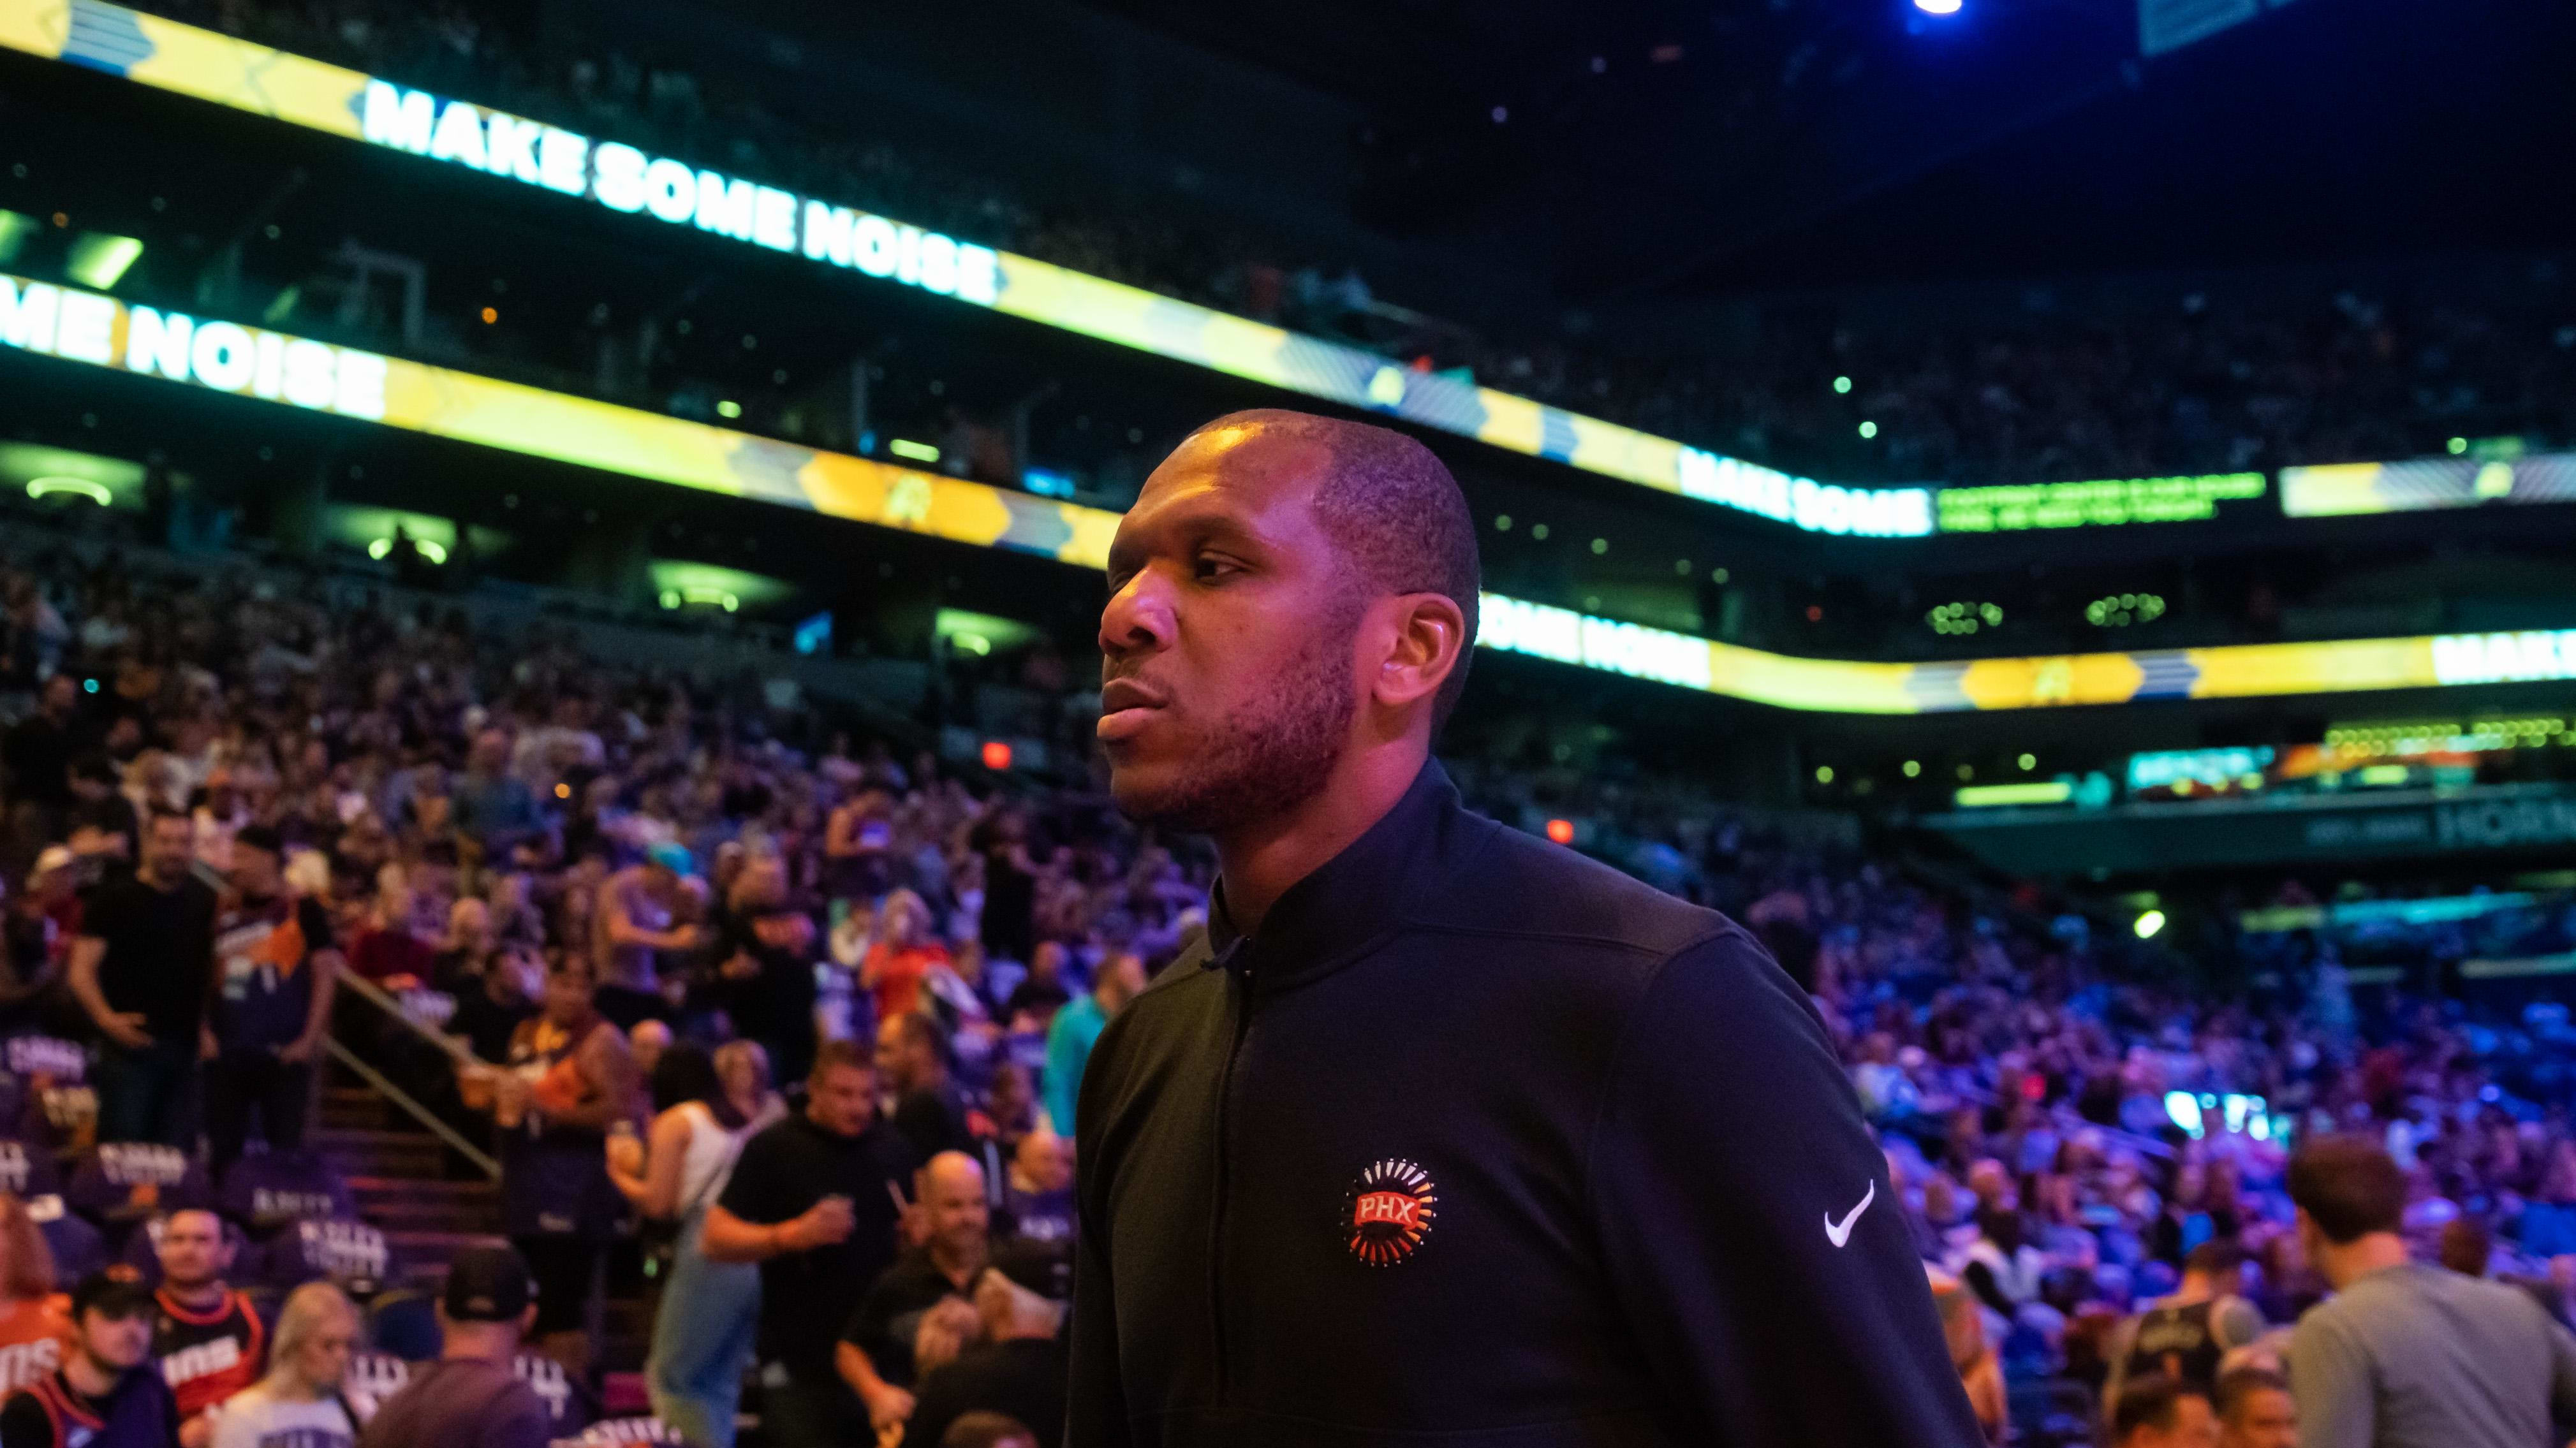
(1479, 1144)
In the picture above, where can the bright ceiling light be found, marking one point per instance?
(1937, 7)
(47, 487)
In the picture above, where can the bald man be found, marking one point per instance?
(875, 1356)
(1443, 1133)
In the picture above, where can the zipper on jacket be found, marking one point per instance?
(1223, 1189)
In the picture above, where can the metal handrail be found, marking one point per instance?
(375, 995)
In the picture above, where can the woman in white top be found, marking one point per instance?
(299, 1402)
(702, 1336)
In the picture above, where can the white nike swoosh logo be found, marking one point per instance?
(1838, 1234)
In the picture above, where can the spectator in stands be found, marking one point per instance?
(815, 1199)
(743, 1067)
(2154, 1411)
(278, 967)
(106, 1394)
(31, 940)
(1077, 1028)
(565, 745)
(2187, 1335)
(929, 1107)
(299, 1404)
(1963, 1327)
(492, 806)
(492, 1004)
(709, 1311)
(38, 751)
(1011, 1100)
(2406, 1355)
(901, 957)
(2466, 1247)
(765, 951)
(1041, 993)
(32, 1325)
(1037, 1195)
(387, 944)
(2255, 1410)
(858, 842)
(218, 813)
(143, 968)
(471, 1395)
(103, 820)
(645, 1045)
(467, 948)
(644, 910)
(2003, 1267)
(1018, 1368)
(570, 1082)
(206, 1336)
(1007, 924)
(877, 1349)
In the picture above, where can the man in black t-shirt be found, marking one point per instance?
(929, 1108)
(764, 956)
(1010, 887)
(142, 968)
(815, 1200)
(1018, 1369)
(876, 1355)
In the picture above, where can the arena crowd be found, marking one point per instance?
(768, 1024)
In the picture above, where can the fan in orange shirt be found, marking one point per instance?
(33, 1322)
(902, 956)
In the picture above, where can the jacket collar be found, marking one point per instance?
(1351, 899)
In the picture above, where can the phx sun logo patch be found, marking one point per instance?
(1388, 1212)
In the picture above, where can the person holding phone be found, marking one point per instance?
(816, 1200)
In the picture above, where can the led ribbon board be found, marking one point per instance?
(182, 58)
(82, 326)
(2425, 484)
(2108, 503)
(73, 325)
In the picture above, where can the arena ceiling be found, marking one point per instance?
(1689, 149)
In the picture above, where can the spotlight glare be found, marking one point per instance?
(2149, 923)
(1937, 7)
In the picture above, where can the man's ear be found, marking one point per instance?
(1428, 633)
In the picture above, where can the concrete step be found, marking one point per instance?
(467, 1206)
(472, 1190)
(357, 1106)
(419, 1244)
(393, 1213)
(382, 1152)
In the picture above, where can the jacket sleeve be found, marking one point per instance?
(1749, 1227)
(1095, 1390)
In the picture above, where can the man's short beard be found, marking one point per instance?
(1271, 756)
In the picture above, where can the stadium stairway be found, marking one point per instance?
(400, 1175)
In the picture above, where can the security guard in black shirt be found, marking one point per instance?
(1444, 1135)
